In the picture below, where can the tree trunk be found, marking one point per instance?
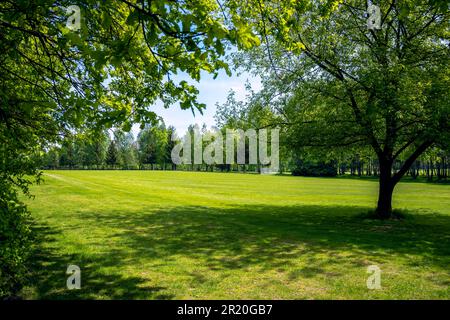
(386, 188)
(389, 180)
(384, 207)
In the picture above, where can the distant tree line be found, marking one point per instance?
(151, 150)
(433, 165)
(112, 150)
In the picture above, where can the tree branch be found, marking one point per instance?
(421, 149)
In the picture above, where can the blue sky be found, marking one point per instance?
(210, 91)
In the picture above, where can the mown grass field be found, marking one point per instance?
(181, 235)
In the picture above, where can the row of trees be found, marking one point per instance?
(433, 164)
(116, 149)
(112, 150)
(152, 148)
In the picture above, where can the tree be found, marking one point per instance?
(152, 141)
(126, 149)
(171, 142)
(252, 113)
(67, 153)
(338, 83)
(112, 154)
(96, 148)
(51, 158)
(160, 136)
(81, 155)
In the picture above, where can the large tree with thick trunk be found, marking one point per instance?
(340, 83)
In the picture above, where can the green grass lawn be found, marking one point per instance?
(182, 235)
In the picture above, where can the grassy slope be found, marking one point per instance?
(164, 235)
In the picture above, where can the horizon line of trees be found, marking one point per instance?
(151, 150)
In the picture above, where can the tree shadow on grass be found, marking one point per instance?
(237, 237)
(49, 274)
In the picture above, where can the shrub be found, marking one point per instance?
(311, 169)
(15, 242)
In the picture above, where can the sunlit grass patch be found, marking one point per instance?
(176, 235)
